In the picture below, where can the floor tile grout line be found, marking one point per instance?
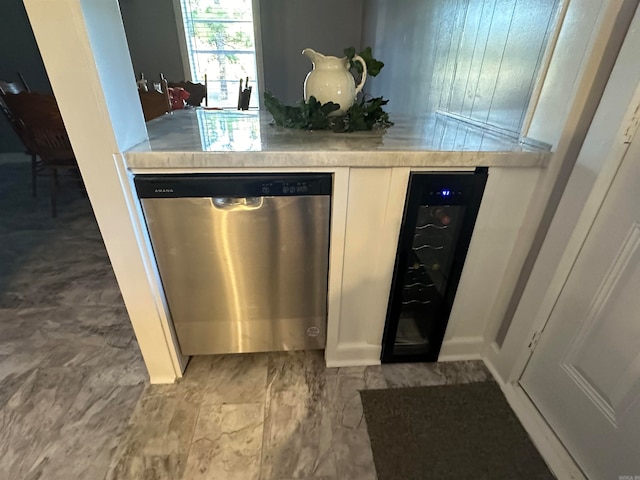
(264, 418)
(267, 408)
(195, 425)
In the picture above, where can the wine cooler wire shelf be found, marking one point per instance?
(433, 225)
(419, 284)
(421, 247)
(416, 302)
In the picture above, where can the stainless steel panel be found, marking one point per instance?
(243, 275)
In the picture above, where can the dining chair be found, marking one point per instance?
(154, 103)
(13, 88)
(197, 91)
(42, 129)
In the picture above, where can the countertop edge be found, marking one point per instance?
(140, 161)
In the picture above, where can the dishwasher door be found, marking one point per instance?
(243, 274)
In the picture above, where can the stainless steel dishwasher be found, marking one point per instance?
(243, 259)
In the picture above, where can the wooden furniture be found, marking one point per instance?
(42, 129)
(197, 91)
(13, 88)
(154, 103)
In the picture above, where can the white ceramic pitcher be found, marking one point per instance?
(331, 81)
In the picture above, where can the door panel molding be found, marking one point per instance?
(615, 400)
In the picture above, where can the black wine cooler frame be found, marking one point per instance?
(439, 215)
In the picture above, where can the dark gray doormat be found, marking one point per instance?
(465, 431)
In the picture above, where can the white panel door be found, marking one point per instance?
(584, 375)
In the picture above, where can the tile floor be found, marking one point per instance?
(74, 398)
(70, 369)
(275, 416)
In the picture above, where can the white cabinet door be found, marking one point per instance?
(584, 375)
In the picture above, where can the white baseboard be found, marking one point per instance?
(360, 354)
(551, 449)
(161, 380)
(353, 355)
(453, 357)
(351, 363)
(461, 348)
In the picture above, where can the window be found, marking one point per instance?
(221, 44)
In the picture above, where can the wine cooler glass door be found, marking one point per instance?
(439, 218)
(426, 276)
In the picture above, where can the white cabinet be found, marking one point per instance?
(373, 214)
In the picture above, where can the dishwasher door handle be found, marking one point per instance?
(237, 203)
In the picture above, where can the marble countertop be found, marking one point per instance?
(199, 138)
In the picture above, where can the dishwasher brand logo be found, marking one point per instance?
(313, 331)
(163, 190)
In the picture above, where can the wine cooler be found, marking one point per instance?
(439, 216)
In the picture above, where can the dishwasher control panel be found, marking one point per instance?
(289, 188)
(236, 185)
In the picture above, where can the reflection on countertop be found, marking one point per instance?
(197, 138)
